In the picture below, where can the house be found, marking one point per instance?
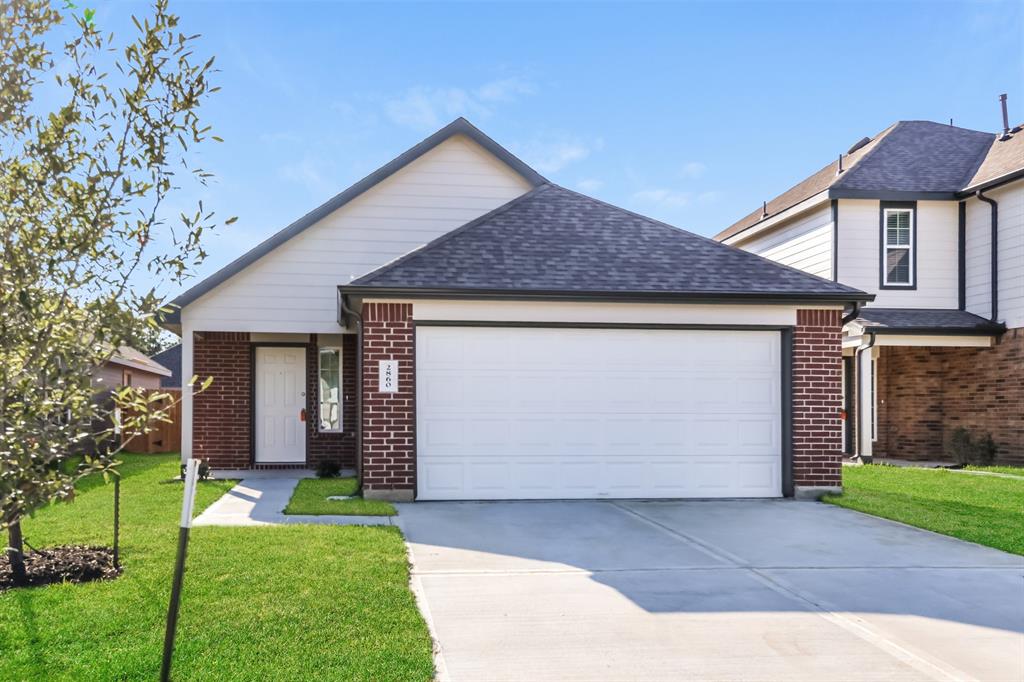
(929, 218)
(455, 326)
(171, 359)
(128, 367)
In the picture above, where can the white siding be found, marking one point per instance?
(804, 243)
(293, 288)
(1011, 255)
(937, 254)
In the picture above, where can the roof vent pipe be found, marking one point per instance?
(840, 170)
(1006, 117)
(764, 210)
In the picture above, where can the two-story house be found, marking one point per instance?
(929, 218)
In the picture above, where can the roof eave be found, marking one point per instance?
(989, 184)
(816, 298)
(889, 195)
(988, 330)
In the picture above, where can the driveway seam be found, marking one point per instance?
(934, 668)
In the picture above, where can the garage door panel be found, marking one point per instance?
(522, 413)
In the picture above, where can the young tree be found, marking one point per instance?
(83, 186)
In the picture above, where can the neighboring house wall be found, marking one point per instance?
(294, 287)
(937, 240)
(804, 242)
(1011, 255)
(111, 375)
(924, 393)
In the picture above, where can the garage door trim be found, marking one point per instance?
(786, 368)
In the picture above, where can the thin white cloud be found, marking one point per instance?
(308, 173)
(589, 184)
(425, 108)
(692, 170)
(661, 196)
(505, 89)
(552, 153)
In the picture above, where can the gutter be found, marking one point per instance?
(995, 252)
(346, 311)
(847, 319)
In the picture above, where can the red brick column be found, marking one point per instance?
(389, 420)
(817, 400)
(221, 415)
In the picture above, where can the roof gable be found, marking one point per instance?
(458, 127)
(554, 240)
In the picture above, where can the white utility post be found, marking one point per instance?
(187, 507)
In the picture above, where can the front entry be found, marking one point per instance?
(280, 403)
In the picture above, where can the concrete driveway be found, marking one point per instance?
(724, 590)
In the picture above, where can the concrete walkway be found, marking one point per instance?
(260, 501)
(716, 590)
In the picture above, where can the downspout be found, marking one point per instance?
(348, 312)
(858, 393)
(995, 252)
(852, 315)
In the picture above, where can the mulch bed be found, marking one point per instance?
(73, 564)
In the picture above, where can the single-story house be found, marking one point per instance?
(129, 367)
(455, 326)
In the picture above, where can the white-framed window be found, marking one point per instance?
(329, 389)
(898, 247)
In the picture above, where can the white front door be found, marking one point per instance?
(534, 413)
(280, 430)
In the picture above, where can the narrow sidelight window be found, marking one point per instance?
(898, 258)
(330, 389)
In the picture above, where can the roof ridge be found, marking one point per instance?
(437, 241)
(860, 163)
(710, 240)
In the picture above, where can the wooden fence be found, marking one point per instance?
(163, 436)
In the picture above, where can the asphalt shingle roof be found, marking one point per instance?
(171, 359)
(921, 319)
(555, 240)
(914, 157)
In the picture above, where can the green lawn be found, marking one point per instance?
(1015, 471)
(988, 510)
(310, 497)
(281, 603)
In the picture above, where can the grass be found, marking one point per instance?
(310, 497)
(1015, 471)
(282, 603)
(987, 510)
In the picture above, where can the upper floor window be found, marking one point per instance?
(330, 389)
(898, 247)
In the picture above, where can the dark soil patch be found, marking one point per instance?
(72, 563)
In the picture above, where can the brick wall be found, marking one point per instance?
(817, 398)
(340, 447)
(389, 422)
(926, 393)
(222, 416)
(221, 413)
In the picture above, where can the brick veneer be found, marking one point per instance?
(817, 399)
(389, 422)
(924, 393)
(340, 447)
(221, 414)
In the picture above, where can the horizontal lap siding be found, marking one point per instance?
(294, 288)
(804, 243)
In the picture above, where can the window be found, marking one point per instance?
(330, 389)
(898, 247)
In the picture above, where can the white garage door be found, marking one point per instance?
(551, 413)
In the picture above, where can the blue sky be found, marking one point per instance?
(692, 113)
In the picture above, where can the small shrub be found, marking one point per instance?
(202, 474)
(966, 450)
(328, 468)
